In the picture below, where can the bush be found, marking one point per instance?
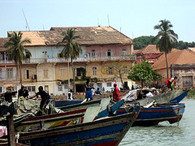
(191, 93)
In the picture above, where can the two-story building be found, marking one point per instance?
(99, 45)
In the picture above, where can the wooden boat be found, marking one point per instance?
(135, 95)
(171, 112)
(51, 121)
(61, 103)
(67, 118)
(159, 113)
(85, 104)
(105, 131)
(170, 97)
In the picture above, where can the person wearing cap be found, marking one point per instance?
(171, 81)
(98, 92)
(116, 93)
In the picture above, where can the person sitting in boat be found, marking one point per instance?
(98, 92)
(45, 97)
(88, 92)
(23, 92)
(169, 82)
(116, 93)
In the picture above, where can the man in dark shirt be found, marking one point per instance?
(23, 92)
(44, 97)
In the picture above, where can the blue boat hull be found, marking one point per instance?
(107, 131)
(59, 103)
(162, 112)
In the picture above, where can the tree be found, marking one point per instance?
(16, 50)
(143, 41)
(143, 73)
(167, 39)
(71, 48)
(118, 69)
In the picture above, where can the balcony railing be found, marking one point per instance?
(80, 59)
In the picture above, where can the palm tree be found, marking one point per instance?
(71, 48)
(16, 50)
(167, 39)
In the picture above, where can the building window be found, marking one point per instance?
(110, 71)
(93, 53)
(30, 88)
(1, 74)
(109, 84)
(27, 74)
(79, 72)
(45, 73)
(109, 53)
(94, 71)
(47, 88)
(62, 71)
(0, 89)
(124, 52)
(10, 72)
(60, 88)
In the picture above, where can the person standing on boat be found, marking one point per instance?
(23, 92)
(45, 97)
(88, 92)
(116, 93)
(171, 81)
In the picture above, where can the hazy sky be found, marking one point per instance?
(133, 17)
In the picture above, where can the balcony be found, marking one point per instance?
(80, 59)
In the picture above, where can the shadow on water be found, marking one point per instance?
(177, 134)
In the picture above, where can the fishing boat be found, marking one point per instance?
(153, 112)
(171, 112)
(103, 131)
(61, 103)
(67, 118)
(141, 96)
(103, 101)
(51, 121)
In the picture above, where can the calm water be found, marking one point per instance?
(165, 134)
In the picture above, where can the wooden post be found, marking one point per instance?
(10, 121)
(11, 132)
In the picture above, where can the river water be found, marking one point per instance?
(165, 134)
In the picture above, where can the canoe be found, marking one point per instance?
(171, 112)
(60, 103)
(104, 131)
(51, 121)
(67, 118)
(102, 102)
(174, 96)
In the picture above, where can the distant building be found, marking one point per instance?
(45, 67)
(181, 64)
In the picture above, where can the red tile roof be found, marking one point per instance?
(176, 57)
(151, 49)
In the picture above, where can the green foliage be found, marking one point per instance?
(143, 41)
(191, 93)
(71, 48)
(117, 69)
(143, 73)
(184, 45)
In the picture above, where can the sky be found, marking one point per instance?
(134, 18)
